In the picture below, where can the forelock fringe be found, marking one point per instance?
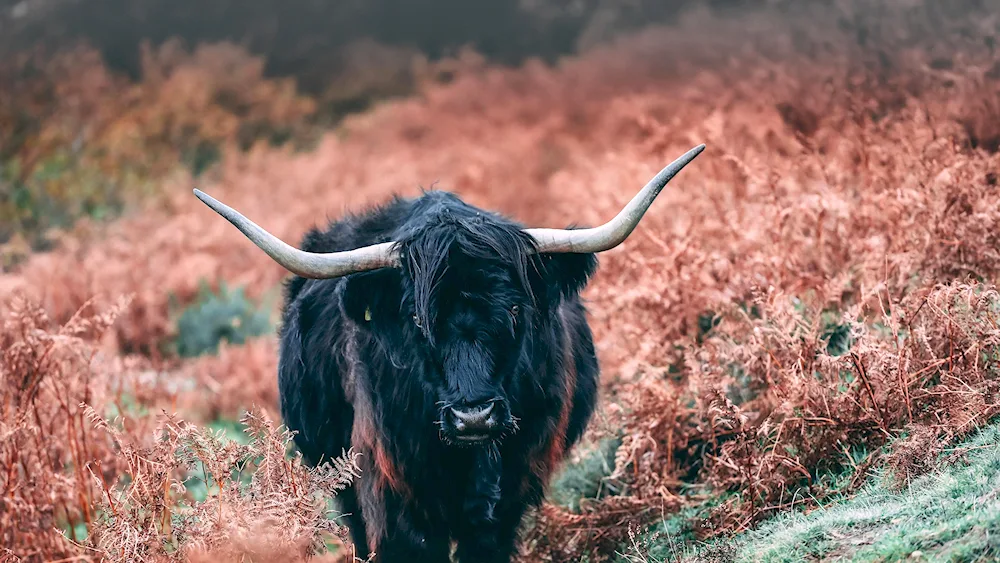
(428, 250)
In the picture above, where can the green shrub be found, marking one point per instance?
(227, 315)
(586, 478)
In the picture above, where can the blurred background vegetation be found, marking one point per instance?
(103, 99)
(308, 39)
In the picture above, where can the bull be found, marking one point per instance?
(450, 347)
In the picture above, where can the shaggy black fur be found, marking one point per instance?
(373, 360)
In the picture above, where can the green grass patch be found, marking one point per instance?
(671, 537)
(585, 479)
(948, 515)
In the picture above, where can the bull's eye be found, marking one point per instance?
(514, 311)
(416, 321)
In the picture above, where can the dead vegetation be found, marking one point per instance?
(263, 506)
(820, 283)
(78, 485)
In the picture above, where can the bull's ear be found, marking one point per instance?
(566, 274)
(372, 297)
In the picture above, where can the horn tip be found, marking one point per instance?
(205, 198)
(689, 156)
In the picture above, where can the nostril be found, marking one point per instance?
(457, 420)
(486, 409)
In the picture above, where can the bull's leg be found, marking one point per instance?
(351, 510)
(405, 542)
(486, 533)
(397, 530)
(494, 542)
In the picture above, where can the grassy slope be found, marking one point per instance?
(949, 515)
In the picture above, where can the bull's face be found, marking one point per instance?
(473, 348)
(463, 315)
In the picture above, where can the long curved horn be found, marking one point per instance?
(615, 231)
(307, 264)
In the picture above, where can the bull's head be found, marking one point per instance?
(471, 287)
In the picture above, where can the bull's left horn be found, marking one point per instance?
(307, 264)
(615, 231)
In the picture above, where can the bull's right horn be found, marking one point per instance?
(307, 264)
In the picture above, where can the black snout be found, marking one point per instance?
(474, 423)
(472, 419)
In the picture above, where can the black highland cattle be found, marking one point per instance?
(450, 347)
